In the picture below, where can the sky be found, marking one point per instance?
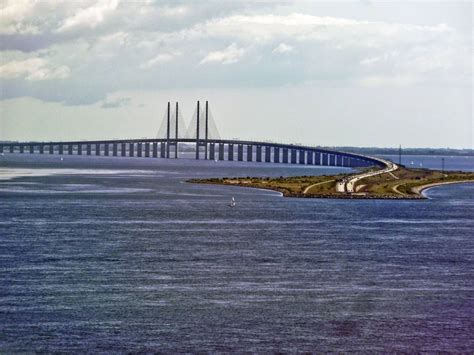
(352, 73)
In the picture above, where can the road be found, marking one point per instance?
(319, 183)
(348, 184)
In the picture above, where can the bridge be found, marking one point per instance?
(206, 146)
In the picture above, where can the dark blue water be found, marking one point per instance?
(131, 258)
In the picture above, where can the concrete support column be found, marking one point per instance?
(249, 152)
(221, 151)
(332, 160)
(123, 149)
(22, 148)
(131, 149)
(268, 154)
(154, 149)
(309, 157)
(230, 152)
(61, 149)
(12, 149)
(88, 149)
(212, 151)
(41, 149)
(147, 149)
(285, 155)
(317, 158)
(276, 155)
(97, 149)
(324, 159)
(259, 153)
(240, 152)
(302, 159)
(293, 156)
(114, 149)
(339, 160)
(69, 149)
(139, 149)
(106, 149)
(162, 149)
(32, 149)
(79, 149)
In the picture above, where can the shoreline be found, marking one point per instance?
(380, 188)
(420, 189)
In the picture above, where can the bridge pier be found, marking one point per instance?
(212, 151)
(301, 156)
(155, 150)
(309, 157)
(230, 152)
(32, 149)
(317, 158)
(285, 155)
(147, 150)
(139, 149)
(123, 149)
(293, 156)
(88, 149)
(61, 149)
(268, 154)
(106, 149)
(240, 152)
(41, 149)
(97, 149)
(162, 149)
(79, 149)
(276, 154)
(12, 149)
(114, 149)
(131, 148)
(324, 159)
(69, 149)
(259, 154)
(22, 148)
(221, 151)
(249, 152)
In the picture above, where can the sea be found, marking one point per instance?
(123, 255)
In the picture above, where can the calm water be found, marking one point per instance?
(124, 256)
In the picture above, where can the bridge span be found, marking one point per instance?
(205, 148)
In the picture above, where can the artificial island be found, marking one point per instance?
(399, 183)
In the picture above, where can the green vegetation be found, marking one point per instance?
(402, 183)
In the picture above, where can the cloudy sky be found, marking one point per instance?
(362, 73)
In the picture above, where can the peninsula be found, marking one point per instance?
(399, 183)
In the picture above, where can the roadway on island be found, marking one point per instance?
(348, 184)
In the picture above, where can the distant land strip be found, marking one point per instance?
(402, 183)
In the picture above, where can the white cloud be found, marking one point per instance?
(160, 58)
(89, 17)
(232, 54)
(12, 15)
(33, 69)
(282, 48)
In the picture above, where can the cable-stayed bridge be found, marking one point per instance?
(202, 133)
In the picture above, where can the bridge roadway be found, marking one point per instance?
(212, 149)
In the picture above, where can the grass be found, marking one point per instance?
(402, 183)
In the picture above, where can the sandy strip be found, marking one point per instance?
(419, 189)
